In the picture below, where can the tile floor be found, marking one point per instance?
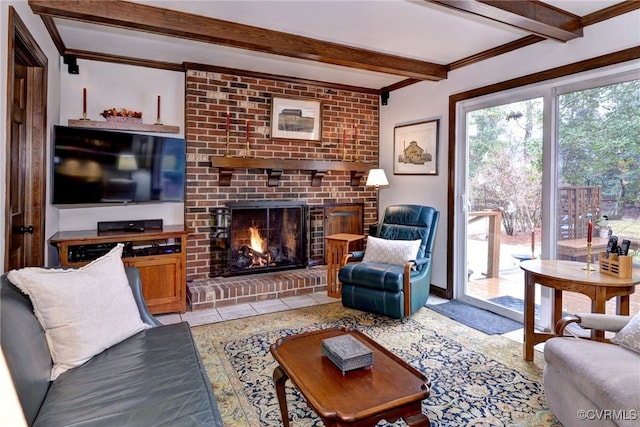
(215, 315)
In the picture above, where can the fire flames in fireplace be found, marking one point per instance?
(257, 242)
(253, 255)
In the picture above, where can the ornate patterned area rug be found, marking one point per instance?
(477, 379)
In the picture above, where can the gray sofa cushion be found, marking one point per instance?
(153, 378)
(607, 374)
(25, 348)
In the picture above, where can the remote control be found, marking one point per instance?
(611, 246)
(624, 247)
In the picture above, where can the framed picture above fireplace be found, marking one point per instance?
(296, 118)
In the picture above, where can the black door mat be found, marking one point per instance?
(476, 318)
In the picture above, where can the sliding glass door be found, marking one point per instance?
(503, 217)
(534, 167)
(598, 174)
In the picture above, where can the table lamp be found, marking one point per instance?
(127, 162)
(376, 178)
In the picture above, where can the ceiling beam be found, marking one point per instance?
(55, 35)
(119, 59)
(610, 12)
(136, 16)
(531, 16)
(496, 51)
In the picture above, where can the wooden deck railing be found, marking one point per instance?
(493, 238)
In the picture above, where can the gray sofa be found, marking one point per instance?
(153, 378)
(592, 383)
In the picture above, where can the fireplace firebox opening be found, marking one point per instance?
(264, 236)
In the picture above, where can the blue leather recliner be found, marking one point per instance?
(393, 290)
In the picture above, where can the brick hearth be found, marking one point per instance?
(225, 291)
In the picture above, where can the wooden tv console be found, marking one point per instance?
(159, 255)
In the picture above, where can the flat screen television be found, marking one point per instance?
(92, 166)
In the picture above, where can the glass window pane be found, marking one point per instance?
(505, 191)
(598, 174)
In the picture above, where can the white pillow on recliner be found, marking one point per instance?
(629, 336)
(83, 311)
(396, 252)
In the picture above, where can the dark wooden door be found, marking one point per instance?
(18, 220)
(25, 162)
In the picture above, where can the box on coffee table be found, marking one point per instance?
(347, 352)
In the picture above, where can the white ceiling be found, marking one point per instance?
(413, 29)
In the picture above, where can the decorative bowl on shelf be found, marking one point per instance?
(122, 116)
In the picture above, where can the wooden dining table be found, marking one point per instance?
(570, 276)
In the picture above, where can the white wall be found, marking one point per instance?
(40, 34)
(430, 100)
(121, 86)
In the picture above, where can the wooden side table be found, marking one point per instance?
(569, 276)
(337, 248)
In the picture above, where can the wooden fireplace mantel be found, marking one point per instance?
(275, 167)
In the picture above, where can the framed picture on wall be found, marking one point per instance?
(415, 148)
(296, 118)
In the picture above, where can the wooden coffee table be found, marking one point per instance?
(389, 390)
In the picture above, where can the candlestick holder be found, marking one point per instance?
(247, 151)
(357, 156)
(84, 116)
(226, 151)
(158, 121)
(589, 267)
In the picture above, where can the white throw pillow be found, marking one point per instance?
(629, 336)
(83, 311)
(386, 251)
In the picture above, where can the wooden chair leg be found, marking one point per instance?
(407, 289)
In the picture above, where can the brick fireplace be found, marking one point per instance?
(219, 171)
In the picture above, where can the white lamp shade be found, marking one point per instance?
(127, 162)
(377, 178)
